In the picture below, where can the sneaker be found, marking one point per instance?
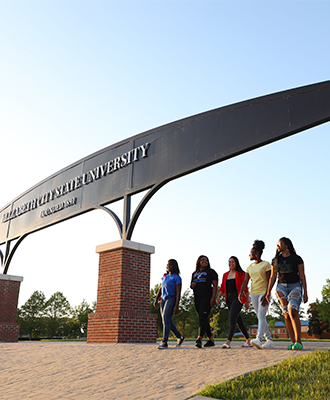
(256, 343)
(290, 347)
(198, 343)
(209, 343)
(163, 345)
(179, 341)
(268, 345)
(298, 346)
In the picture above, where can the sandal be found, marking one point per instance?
(246, 344)
(225, 346)
(290, 346)
(297, 346)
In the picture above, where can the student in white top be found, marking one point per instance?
(259, 273)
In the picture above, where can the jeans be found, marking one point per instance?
(203, 308)
(292, 292)
(166, 309)
(261, 312)
(235, 316)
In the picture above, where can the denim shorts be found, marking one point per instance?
(292, 292)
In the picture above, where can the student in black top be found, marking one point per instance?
(204, 282)
(291, 288)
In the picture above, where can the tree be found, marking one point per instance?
(271, 320)
(219, 319)
(154, 310)
(57, 310)
(276, 311)
(319, 312)
(326, 292)
(30, 315)
(249, 316)
(80, 320)
(315, 325)
(324, 305)
(187, 319)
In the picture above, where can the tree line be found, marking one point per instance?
(53, 318)
(187, 319)
(319, 313)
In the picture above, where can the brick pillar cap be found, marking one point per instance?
(126, 244)
(4, 277)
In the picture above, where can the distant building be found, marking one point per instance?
(279, 331)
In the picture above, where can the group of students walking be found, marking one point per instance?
(291, 289)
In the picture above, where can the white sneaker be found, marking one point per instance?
(257, 343)
(268, 345)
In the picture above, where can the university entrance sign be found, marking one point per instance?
(151, 159)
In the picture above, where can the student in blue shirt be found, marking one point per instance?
(170, 293)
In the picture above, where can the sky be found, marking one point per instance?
(78, 76)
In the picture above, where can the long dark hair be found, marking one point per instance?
(289, 244)
(238, 265)
(259, 246)
(175, 266)
(198, 263)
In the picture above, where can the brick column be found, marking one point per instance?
(123, 296)
(9, 291)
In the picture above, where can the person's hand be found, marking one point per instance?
(217, 300)
(240, 298)
(305, 297)
(246, 305)
(193, 284)
(156, 303)
(212, 302)
(267, 297)
(264, 301)
(176, 310)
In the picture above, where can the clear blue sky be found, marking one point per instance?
(77, 76)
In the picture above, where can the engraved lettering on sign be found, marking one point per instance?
(77, 182)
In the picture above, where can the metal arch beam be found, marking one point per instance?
(140, 208)
(114, 216)
(5, 261)
(149, 160)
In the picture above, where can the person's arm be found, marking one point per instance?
(243, 287)
(221, 290)
(178, 297)
(301, 269)
(247, 303)
(157, 297)
(263, 299)
(214, 293)
(192, 283)
(273, 276)
(217, 300)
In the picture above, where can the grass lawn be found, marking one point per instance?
(303, 378)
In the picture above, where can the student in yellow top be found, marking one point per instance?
(259, 273)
